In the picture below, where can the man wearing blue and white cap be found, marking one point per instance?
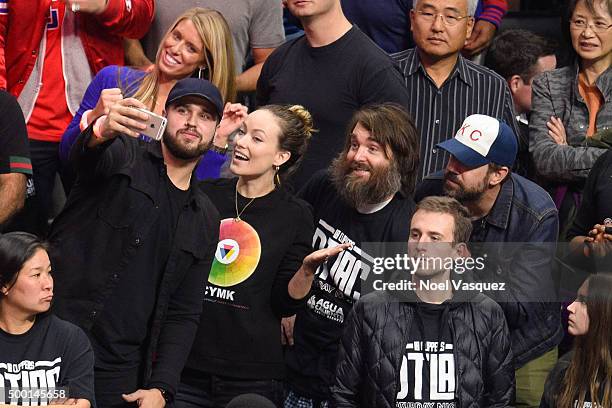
(135, 242)
(507, 208)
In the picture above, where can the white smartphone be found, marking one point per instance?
(156, 125)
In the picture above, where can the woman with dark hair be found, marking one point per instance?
(571, 109)
(262, 269)
(43, 360)
(583, 377)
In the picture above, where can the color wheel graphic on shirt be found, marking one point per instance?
(237, 254)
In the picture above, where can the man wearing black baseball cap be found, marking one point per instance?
(516, 223)
(135, 242)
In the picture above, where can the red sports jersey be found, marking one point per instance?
(51, 116)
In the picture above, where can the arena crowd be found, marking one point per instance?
(304, 204)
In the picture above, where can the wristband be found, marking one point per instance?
(85, 120)
(220, 150)
(97, 128)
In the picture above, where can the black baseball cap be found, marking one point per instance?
(196, 87)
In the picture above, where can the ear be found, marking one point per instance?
(164, 113)
(412, 14)
(514, 83)
(497, 176)
(281, 157)
(4, 290)
(462, 251)
(470, 27)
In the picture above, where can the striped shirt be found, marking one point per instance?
(439, 112)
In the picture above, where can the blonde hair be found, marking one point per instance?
(218, 55)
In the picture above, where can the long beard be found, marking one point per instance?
(357, 192)
(183, 152)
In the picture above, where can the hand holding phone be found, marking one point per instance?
(108, 97)
(126, 117)
(155, 125)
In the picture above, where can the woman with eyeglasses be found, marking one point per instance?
(570, 115)
(43, 360)
(583, 377)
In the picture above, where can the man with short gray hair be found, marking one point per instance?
(444, 87)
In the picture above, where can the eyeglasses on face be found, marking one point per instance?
(449, 19)
(596, 27)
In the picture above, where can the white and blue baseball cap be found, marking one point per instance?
(481, 140)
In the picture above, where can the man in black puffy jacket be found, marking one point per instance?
(435, 344)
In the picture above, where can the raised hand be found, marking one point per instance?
(481, 37)
(312, 261)
(233, 116)
(123, 117)
(107, 98)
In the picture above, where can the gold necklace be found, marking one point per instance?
(238, 214)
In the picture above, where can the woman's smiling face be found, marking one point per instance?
(182, 51)
(257, 148)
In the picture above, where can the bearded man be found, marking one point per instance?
(135, 242)
(515, 222)
(365, 196)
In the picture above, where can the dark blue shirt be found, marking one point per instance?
(386, 22)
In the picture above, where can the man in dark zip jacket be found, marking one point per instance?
(443, 347)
